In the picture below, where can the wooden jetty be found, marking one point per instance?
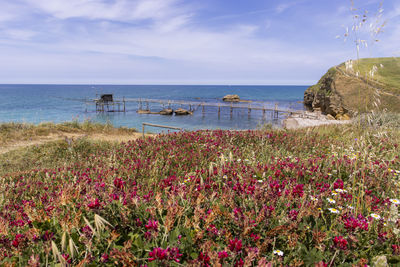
(106, 103)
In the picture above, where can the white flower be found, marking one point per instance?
(239, 160)
(225, 177)
(333, 210)
(340, 190)
(394, 201)
(350, 207)
(278, 252)
(313, 198)
(375, 216)
(330, 200)
(334, 193)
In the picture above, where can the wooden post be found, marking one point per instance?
(124, 103)
(249, 110)
(202, 108)
(219, 110)
(147, 105)
(231, 110)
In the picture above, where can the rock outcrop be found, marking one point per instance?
(325, 97)
(181, 111)
(356, 87)
(166, 111)
(231, 98)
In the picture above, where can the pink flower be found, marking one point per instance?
(223, 254)
(204, 259)
(340, 242)
(152, 225)
(104, 257)
(235, 245)
(17, 240)
(119, 183)
(240, 262)
(161, 254)
(94, 204)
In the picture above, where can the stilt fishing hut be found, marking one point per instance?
(106, 103)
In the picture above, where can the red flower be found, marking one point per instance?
(94, 204)
(235, 245)
(223, 254)
(396, 249)
(204, 259)
(340, 242)
(17, 240)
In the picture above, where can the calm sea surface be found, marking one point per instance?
(59, 103)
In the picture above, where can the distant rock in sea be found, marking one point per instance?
(231, 98)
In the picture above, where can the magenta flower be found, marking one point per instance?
(94, 204)
(235, 245)
(340, 242)
(223, 254)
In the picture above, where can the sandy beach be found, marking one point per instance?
(310, 120)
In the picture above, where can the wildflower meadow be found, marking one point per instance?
(210, 198)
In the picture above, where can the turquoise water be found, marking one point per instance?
(59, 103)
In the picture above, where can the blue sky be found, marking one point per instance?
(185, 41)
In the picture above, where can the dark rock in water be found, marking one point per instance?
(231, 98)
(181, 111)
(166, 111)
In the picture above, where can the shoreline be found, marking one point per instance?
(312, 120)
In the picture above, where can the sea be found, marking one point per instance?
(38, 103)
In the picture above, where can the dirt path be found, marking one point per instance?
(69, 136)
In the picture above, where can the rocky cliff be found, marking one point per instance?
(342, 91)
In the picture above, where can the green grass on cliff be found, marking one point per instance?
(361, 94)
(388, 73)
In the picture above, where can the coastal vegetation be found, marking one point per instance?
(324, 196)
(357, 86)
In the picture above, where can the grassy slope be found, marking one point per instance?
(359, 95)
(13, 132)
(54, 152)
(388, 75)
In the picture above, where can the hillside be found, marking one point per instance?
(351, 89)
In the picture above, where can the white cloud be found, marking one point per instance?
(19, 34)
(156, 41)
(282, 7)
(118, 10)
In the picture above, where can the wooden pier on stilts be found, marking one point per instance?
(106, 103)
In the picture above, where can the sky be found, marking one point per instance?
(228, 42)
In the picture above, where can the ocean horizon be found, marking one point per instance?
(36, 103)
